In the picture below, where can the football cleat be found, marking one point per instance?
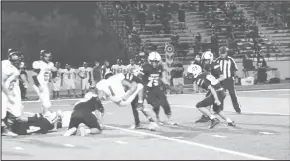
(214, 122)
(203, 119)
(153, 126)
(70, 132)
(231, 124)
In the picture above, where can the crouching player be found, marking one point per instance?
(83, 114)
(215, 98)
(124, 90)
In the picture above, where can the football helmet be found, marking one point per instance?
(194, 69)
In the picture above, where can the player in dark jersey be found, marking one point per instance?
(37, 123)
(154, 78)
(83, 114)
(125, 89)
(215, 98)
(212, 68)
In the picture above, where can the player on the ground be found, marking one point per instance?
(215, 98)
(214, 69)
(68, 79)
(11, 95)
(154, 77)
(56, 80)
(36, 123)
(83, 114)
(118, 68)
(41, 74)
(86, 78)
(124, 90)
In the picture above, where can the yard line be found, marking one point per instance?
(244, 112)
(250, 156)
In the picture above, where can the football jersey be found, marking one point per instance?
(45, 71)
(152, 76)
(114, 87)
(214, 69)
(117, 68)
(204, 80)
(9, 69)
(68, 74)
(130, 68)
(57, 74)
(84, 72)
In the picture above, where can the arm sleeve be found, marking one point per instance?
(234, 65)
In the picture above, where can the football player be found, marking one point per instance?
(154, 78)
(11, 95)
(118, 68)
(36, 123)
(56, 80)
(41, 74)
(215, 98)
(213, 68)
(132, 66)
(86, 78)
(85, 112)
(23, 81)
(68, 79)
(124, 90)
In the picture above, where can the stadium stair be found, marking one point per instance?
(281, 37)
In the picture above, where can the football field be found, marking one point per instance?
(262, 132)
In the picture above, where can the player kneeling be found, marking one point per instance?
(215, 98)
(124, 90)
(83, 114)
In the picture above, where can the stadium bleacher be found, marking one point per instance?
(232, 22)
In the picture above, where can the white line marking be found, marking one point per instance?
(219, 136)
(69, 145)
(266, 133)
(250, 91)
(243, 112)
(193, 144)
(18, 148)
(109, 113)
(178, 137)
(121, 142)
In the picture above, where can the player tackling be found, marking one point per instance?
(215, 98)
(124, 90)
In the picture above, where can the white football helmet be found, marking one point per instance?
(154, 56)
(194, 69)
(207, 56)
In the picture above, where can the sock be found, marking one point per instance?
(212, 117)
(88, 131)
(229, 120)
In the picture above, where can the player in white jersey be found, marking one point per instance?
(132, 66)
(124, 90)
(86, 78)
(56, 80)
(42, 70)
(118, 68)
(68, 79)
(11, 95)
